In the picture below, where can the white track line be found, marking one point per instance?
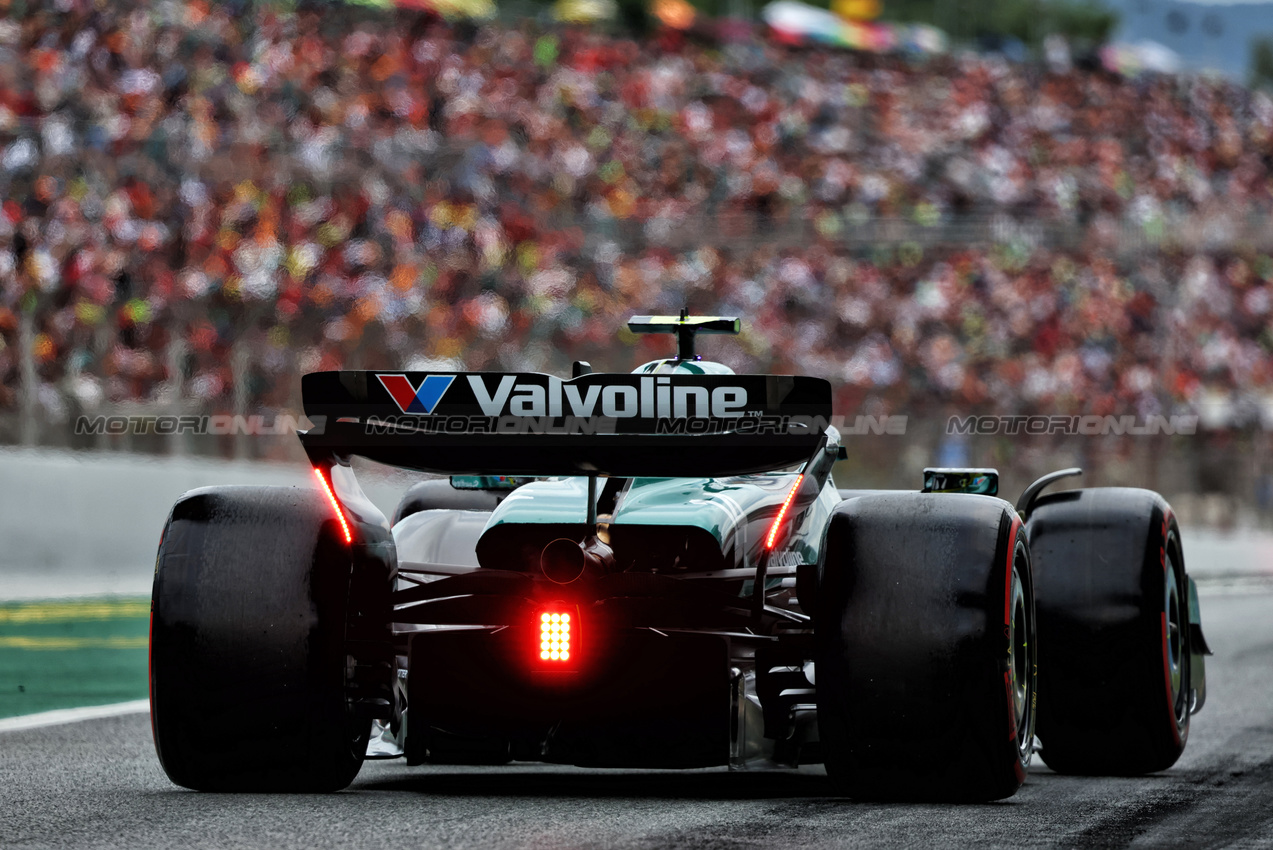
(73, 715)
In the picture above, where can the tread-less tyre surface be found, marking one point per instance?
(925, 648)
(248, 658)
(1113, 602)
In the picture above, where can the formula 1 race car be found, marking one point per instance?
(656, 570)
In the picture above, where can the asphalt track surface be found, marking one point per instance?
(96, 783)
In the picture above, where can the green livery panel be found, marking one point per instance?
(733, 513)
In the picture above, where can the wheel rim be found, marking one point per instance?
(1175, 638)
(1019, 655)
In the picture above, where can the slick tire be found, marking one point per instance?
(248, 660)
(925, 649)
(1115, 642)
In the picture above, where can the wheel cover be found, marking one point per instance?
(1021, 662)
(1019, 651)
(1175, 639)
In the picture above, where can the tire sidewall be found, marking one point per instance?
(248, 665)
(962, 741)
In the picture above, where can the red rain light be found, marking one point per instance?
(331, 497)
(782, 513)
(554, 636)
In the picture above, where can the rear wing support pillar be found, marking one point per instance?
(592, 505)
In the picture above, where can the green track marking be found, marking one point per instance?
(72, 653)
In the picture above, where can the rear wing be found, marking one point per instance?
(530, 423)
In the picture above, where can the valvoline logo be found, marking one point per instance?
(421, 399)
(636, 397)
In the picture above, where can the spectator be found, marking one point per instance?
(202, 201)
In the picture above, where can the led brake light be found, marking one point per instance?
(782, 513)
(554, 636)
(331, 497)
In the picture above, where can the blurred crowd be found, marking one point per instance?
(203, 201)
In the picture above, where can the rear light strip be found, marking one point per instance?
(331, 497)
(782, 512)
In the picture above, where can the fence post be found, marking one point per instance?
(174, 355)
(239, 361)
(27, 390)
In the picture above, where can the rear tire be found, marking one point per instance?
(925, 658)
(249, 664)
(1113, 605)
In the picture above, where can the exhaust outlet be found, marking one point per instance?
(563, 560)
